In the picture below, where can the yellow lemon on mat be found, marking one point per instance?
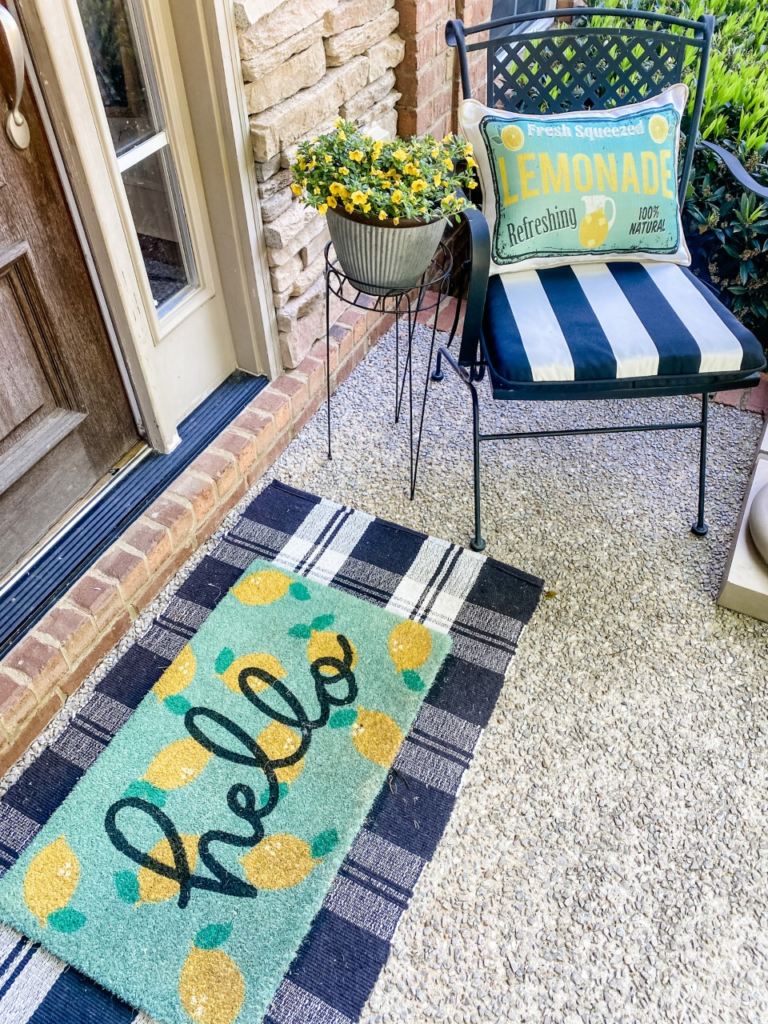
(279, 741)
(658, 128)
(512, 137)
(410, 644)
(325, 644)
(211, 987)
(376, 736)
(177, 676)
(177, 764)
(51, 879)
(278, 862)
(154, 888)
(265, 662)
(262, 587)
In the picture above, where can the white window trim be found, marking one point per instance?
(56, 41)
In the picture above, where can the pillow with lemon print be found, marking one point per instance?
(581, 187)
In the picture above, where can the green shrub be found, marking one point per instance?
(726, 226)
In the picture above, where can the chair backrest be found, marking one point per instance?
(606, 57)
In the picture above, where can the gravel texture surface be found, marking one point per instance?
(607, 860)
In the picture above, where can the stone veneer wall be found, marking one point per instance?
(305, 63)
(381, 63)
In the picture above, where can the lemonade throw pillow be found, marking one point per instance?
(581, 187)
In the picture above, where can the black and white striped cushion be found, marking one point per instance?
(605, 321)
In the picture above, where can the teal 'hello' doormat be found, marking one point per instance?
(242, 848)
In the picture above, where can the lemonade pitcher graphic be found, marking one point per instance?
(595, 226)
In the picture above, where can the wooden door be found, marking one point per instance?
(64, 414)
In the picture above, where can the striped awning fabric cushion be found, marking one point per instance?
(606, 321)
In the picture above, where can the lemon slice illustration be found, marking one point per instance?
(658, 128)
(410, 644)
(50, 884)
(376, 736)
(211, 987)
(262, 587)
(512, 137)
(279, 741)
(154, 888)
(177, 676)
(324, 644)
(282, 861)
(177, 764)
(228, 668)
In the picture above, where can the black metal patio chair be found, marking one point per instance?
(587, 64)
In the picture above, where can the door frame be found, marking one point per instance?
(59, 52)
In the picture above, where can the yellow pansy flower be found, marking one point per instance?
(332, 202)
(419, 185)
(366, 208)
(302, 164)
(377, 148)
(342, 136)
(317, 191)
(343, 170)
(296, 189)
(397, 196)
(396, 221)
(328, 158)
(411, 168)
(471, 184)
(322, 208)
(448, 138)
(448, 163)
(468, 150)
(382, 215)
(313, 165)
(471, 162)
(357, 155)
(435, 153)
(349, 207)
(358, 197)
(438, 179)
(400, 153)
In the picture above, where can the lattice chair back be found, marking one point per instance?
(605, 58)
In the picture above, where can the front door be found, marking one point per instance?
(64, 414)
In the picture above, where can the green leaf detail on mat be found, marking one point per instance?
(66, 920)
(322, 622)
(127, 886)
(413, 680)
(212, 936)
(299, 591)
(146, 791)
(300, 630)
(342, 719)
(324, 843)
(177, 705)
(224, 660)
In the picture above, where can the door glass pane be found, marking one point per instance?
(117, 47)
(122, 62)
(152, 191)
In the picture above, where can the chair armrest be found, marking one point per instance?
(740, 173)
(479, 265)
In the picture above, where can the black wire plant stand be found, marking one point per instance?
(426, 296)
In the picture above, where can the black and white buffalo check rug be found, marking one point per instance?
(481, 604)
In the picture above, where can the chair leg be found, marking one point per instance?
(477, 543)
(700, 527)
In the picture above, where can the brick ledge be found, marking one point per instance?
(50, 662)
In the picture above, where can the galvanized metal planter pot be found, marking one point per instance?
(379, 257)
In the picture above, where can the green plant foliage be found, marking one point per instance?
(726, 226)
(418, 178)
